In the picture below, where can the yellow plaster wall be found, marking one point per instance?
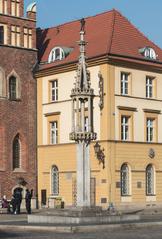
(64, 157)
(39, 112)
(137, 98)
(137, 157)
(107, 127)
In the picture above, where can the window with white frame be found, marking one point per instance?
(125, 180)
(57, 53)
(125, 127)
(124, 83)
(149, 86)
(150, 180)
(150, 129)
(54, 90)
(54, 132)
(54, 181)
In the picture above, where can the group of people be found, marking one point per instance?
(14, 205)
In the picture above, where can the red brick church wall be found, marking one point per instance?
(18, 116)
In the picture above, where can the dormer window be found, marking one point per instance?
(57, 53)
(148, 52)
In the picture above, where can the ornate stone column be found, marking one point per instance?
(83, 95)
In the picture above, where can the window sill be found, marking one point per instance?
(126, 198)
(18, 170)
(15, 99)
(150, 198)
(55, 196)
(125, 94)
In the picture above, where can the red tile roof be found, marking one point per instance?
(106, 33)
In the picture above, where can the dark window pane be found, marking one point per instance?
(12, 88)
(16, 153)
(1, 35)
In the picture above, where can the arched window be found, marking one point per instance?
(16, 150)
(125, 180)
(55, 180)
(150, 180)
(12, 88)
(57, 53)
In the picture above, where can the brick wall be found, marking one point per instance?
(18, 116)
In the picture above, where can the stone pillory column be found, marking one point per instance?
(82, 123)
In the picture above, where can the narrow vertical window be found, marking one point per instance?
(150, 175)
(54, 132)
(12, 88)
(15, 8)
(55, 181)
(124, 83)
(2, 83)
(16, 152)
(1, 6)
(1, 35)
(15, 35)
(125, 127)
(150, 129)
(54, 90)
(27, 38)
(149, 87)
(125, 180)
(86, 123)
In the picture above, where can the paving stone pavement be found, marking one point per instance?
(9, 222)
(142, 233)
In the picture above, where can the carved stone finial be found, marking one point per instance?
(82, 21)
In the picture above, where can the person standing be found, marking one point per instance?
(13, 205)
(18, 200)
(28, 197)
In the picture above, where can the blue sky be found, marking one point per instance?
(146, 15)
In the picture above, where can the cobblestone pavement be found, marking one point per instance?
(142, 233)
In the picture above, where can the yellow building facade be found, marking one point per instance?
(127, 119)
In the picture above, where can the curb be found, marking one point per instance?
(78, 228)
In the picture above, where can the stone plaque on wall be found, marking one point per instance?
(68, 176)
(118, 184)
(103, 180)
(103, 200)
(139, 184)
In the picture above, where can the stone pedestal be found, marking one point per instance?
(80, 216)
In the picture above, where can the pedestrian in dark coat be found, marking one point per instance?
(28, 197)
(18, 200)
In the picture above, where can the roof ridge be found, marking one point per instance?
(112, 31)
(72, 21)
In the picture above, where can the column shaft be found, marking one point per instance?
(83, 175)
